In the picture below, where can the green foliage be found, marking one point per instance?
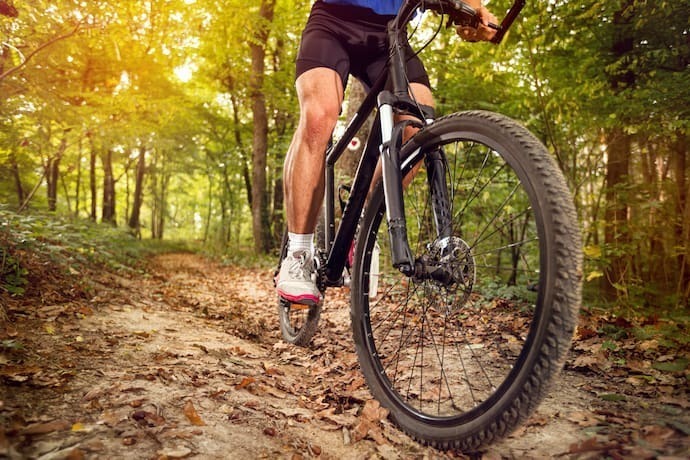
(12, 274)
(72, 245)
(499, 289)
(11, 345)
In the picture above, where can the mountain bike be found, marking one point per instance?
(466, 278)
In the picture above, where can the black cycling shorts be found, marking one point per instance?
(351, 40)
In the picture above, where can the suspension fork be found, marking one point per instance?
(436, 166)
(391, 141)
(435, 163)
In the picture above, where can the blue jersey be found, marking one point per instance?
(382, 7)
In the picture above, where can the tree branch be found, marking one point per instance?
(37, 50)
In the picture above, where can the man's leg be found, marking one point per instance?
(422, 95)
(320, 94)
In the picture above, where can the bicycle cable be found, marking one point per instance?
(418, 52)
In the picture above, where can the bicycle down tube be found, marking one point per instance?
(384, 142)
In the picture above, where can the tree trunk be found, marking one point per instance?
(618, 163)
(134, 218)
(155, 197)
(77, 187)
(92, 182)
(53, 174)
(350, 161)
(17, 177)
(108, 214)
(159, 215)
(682, 222)
(616, 213)
(246, 175)
(260, 223)
(277, 221)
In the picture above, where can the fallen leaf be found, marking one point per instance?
(361, 430)
(78, 427)
(355, 384)
(369, 423)
(135, 403)
(112, 417)
(149, 418)
(273, 371)
(612, 397)
(657, 435)
(583, 418)
(192, 415)
(590, 445)
(19, 373)
(373, 411)
(175, 452)
(94, 394)
(299, 413)
(245, 383)
(75, 454)
(48, 427)
(681, 402)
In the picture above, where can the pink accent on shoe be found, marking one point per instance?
(351, 254)
(305, 299)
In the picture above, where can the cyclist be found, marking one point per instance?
(341, 37)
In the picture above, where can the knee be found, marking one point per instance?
(318, 120)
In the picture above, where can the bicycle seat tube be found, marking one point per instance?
(338, 245)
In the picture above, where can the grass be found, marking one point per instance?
(37, 248)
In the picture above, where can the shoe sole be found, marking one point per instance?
(303, 299)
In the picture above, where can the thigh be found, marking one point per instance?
(320, 91)
(322, 46)
(416, 73)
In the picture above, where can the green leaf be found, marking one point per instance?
(679, 365)
(613, 397)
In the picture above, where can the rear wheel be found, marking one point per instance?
(298, 323)
(463, 351)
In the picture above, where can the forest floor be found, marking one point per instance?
(185, 360)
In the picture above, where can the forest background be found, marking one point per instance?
(170, 119)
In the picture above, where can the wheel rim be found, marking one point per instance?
(293, 318)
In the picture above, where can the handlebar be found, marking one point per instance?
(462, 14)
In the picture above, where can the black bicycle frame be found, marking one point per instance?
(337, 245)
(383, 143)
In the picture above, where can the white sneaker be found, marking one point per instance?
(296, 280)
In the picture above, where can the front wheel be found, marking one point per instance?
(463, 351)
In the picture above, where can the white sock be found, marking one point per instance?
(300, 242)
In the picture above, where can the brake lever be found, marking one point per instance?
(466, 16)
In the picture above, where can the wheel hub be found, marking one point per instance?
(450, 263)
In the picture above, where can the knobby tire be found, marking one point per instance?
(462, 359)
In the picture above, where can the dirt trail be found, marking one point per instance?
(188, 363)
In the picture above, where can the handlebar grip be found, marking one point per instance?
(466, 15)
